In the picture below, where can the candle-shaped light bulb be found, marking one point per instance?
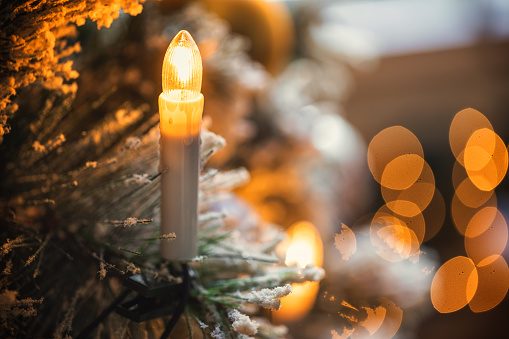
(180, 110)
(182, 69)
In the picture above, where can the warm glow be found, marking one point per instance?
(482, 161)
(395, 236)
(304, 247)
(415, 211)
(402, 172)
(382, 320)
(454, 285)
(374, 319)
(345, 334)
(493, 284)
(434, 215)
(470, 195)
(397, 243)
(395, 157)
(404, 207)
(300, 253)
(345, 242)
(396, 160)
(392, 319)
(181, 59)
(464, 124)
(414, 199)
(485, 159)
(462, 214)
(181, 103)
(486, 234)
(182, 69)
(297, 305)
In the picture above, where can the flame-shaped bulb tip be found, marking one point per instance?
(182, 68)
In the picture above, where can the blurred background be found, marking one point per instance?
(299, 89)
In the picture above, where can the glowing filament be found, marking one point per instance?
(182, 69)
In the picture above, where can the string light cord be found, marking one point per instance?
(182, 303)
(87, 331)
(90, 328)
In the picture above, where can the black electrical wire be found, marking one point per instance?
(182, 303)
(87, 331)
(90, 328)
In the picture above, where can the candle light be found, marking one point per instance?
(304, 247)
(180, 110)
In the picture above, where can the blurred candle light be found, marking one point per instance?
(304, 247)
(180, 110)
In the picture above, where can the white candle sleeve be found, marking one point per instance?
(180, 166)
